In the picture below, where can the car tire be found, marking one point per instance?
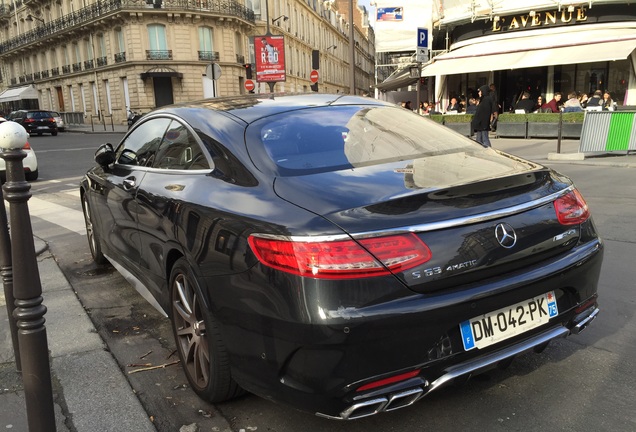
(54, 133)
(31, 176)
(92, 236)
(199, 343)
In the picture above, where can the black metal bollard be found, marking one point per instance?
(27, 288)
(6, 271)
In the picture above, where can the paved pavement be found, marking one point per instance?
(91, 392)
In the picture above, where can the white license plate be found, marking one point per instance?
(493, 327)
(43, 127)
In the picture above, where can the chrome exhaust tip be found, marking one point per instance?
(364, 409)
(579, 327)
(403, 399)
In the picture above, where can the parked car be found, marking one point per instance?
(35, 121)
(30, 162)
(59, 121)
(337, 253)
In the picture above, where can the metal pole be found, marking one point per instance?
(27, 288)
(560, 131)
(352, 52)
(6, 270)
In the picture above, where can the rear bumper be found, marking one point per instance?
(318, 365)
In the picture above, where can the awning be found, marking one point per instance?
(161, 72)
(398, 79)
(545, 49)
(19, 93)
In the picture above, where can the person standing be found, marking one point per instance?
(481, 120)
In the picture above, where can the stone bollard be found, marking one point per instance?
(27, 288)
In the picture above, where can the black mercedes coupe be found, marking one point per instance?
(338, 254)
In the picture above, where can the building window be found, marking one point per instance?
(157, 37)
(206, 44)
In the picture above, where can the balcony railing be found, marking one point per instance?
(66, 69)
(103, 9)
(88, 64)
(209, 55)
(45, 73)
(37, 75)
(77, 67)
(56, 71)
(158, 54)
(120, 57)
(240, 58)
(14, 81)
(22, 79)
(102, 61)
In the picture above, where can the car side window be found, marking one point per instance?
(179, 150)
(140, 146)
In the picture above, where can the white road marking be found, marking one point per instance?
(72, 220)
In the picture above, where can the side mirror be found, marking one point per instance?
(105, 155)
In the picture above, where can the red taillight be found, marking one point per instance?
(27, 146)
(571, 209)
(28, 120)
(390, 380)
(342, 258)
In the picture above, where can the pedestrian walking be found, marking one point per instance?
(481, 120)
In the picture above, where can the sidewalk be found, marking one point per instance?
(91, 393)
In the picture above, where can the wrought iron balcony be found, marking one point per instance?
(56, 71)
(120, 57)
(158, 54)
(105, 8)
(209, 55)
(14, 81)
(23, 79)
(37, 75)
(102, 61)
(240, 58)
(88, 64)
(45, 73)
(77, 67)
(65, 69)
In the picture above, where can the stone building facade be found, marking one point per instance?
(103, 57)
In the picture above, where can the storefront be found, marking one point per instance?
(561, 49)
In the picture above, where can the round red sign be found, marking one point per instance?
(313, 76)
(249, 85)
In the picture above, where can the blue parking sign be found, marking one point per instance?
(422, 38)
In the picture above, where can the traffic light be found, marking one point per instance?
(248, 70)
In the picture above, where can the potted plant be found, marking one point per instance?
(546, 125)
(459, 123)
(512, 125)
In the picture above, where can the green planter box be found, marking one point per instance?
(459, 123)
(512, 125)
(462, 128)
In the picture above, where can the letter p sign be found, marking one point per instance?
(422, 38)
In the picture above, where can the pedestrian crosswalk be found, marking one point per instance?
(72, 220)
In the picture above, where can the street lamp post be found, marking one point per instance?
(352, 52)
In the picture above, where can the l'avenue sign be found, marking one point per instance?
(538, 19)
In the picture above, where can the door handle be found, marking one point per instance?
(129, 183)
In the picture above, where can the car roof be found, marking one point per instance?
(252, 107)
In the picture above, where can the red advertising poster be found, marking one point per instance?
(270, 58)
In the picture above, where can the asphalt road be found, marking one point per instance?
(585, 382)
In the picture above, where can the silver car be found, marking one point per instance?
(59, 120)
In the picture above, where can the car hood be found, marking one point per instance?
(423, 195)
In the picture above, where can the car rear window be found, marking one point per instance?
(39, 114)
(340, 137)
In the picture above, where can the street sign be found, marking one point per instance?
(213, 71)
(421, 55)
(422, 38)
(249, 85)
(422, 45)
(313, 76)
